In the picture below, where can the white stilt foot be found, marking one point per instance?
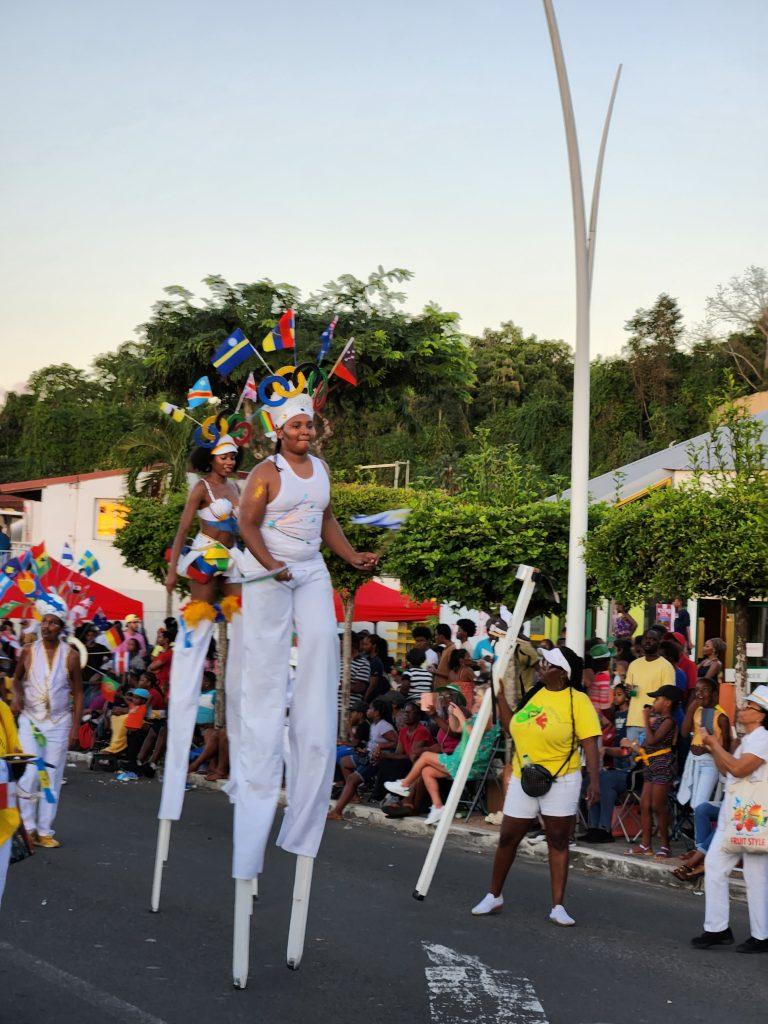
(256, 887)
(299, 909)
(242, 935)
(161, 856)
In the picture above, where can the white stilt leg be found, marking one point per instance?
(161, 856)
(299, 909)
(256, 887)
(244, 891)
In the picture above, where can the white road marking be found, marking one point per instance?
(118, 1009)
(461, 988)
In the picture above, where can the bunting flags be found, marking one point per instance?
(326, 339)
(88, 564)
(233, 350)
(199, 393)
(67, 555)
(40, 558)
(283, 335)
(345, 366)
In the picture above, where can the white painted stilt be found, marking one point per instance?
(161, 856)
(256, 887)
(244, 891)
(299, 910)
(505, 649)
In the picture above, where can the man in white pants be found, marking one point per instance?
(748, 761)
(48, 697)
(285, 515)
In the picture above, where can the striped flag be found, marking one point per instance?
(265, 422)
(113, 637)
(122, 662)
(109, 688)
(326, 339)
(283, 335)
(67, 555)
(41, 559)
(233, 350)
(250, 394)
(199, 393)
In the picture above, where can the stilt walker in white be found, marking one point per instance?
(211, 564)
(285, 515)
(48, 698)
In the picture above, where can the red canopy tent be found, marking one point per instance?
(111, 603)
(376, 603)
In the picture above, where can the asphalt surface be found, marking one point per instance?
(78, 943)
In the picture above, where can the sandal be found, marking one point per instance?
(689, 874)
(664, 853)
(640, 851)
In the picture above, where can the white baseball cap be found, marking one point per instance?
(557, 658)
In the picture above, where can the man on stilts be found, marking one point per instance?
(48, 697)
(285, 515)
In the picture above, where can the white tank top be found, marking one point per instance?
(46, 690)
(293, 521)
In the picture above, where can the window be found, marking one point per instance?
(110, 517)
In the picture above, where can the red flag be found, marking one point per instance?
(345, 365)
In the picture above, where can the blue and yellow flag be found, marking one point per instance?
(233, 350)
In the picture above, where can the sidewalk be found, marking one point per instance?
(480, 836)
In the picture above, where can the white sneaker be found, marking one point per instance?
(397, 788)
(435, 814)
(489, 904)
(559, 915)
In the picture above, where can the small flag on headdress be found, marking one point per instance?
(265, 422)
(233, 350)
(113, 637)
(326, 339)
(67, 555)
(250, 394)
(88, 564)
(283, 335)
(41, 559)
(345, 366)
(199, 393)
(173, 411)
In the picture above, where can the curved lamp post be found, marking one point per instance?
(585, 250)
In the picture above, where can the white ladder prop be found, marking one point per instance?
(299, 910)
(505, 649)
(161, 856)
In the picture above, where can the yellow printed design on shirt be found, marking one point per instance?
(543, 730)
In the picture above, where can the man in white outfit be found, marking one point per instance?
(285, 515)
(48, 697)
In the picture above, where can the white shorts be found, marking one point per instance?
(560, 802)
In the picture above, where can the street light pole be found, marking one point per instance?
(584, 247)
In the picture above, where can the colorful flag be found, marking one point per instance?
(29, 584)
(41, 559)
(265, 421)
(173, 411)
(67, 555)
(199, 393)
(13, 567)
(283, 335)
(6, 609)
(114, 637)
(100, 620)
(345, 365)
(392, 519)
(109, 688)
(6, 583)
(79, 613)
(233, 350)
(88, 564)
(122, 662)
(250, 394)
(326, 338)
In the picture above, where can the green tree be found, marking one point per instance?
(155, 454)
(150, 526)
(719, 522)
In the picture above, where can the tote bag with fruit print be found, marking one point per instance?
(746, 828)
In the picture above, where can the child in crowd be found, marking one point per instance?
(205, 721)
(659, 762)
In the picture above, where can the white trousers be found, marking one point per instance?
(717, 868)
(184, 687)
(270, 611)
(38, 815)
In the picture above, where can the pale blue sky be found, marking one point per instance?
(152, 143)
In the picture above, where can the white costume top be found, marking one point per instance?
(293, 521)
(47, 692)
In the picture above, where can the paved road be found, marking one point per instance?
(79, 946)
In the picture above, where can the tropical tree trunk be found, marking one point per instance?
(740, 633)
(348, 603)
(168, 605)
(222, 647)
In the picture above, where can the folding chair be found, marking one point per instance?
(630, 800)
(474, 794)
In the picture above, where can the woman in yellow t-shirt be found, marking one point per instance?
(9, 815)
(547, 730)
